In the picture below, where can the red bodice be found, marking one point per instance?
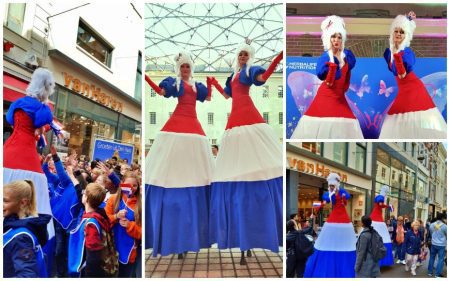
(377, 212)
(243, 111)
(330, 101)
(339, 213)
(412, 96)
(19, 150)
(184, 118)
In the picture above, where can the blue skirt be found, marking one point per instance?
(388, 260)
(327, 264)
(247, 215)
(178, 219)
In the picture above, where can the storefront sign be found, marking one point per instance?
(104, 150)
(92, 92)
(311, 168)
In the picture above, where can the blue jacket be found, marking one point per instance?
(19, 255)
(39, 112)
(322, 68)
(412, 242)
(409, 59)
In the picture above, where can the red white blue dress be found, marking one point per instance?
(335, 248)
(247, 189)
(179, 169)
(329, 116)
(20, 158)
(380, 226)
(413, 113)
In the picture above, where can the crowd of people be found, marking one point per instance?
(65, 216)
(412, 242)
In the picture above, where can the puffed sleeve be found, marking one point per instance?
(43, 116)
(10, 114)
(227, 89)
(350, 57)
(345, 193)
(379, 199)
(409, 59)
(322, 67)
(326, 197)
(169, 85)
(387, 58)
(254, 72)
(202, 91)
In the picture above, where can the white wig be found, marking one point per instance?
(330, 26)
(184, 57)
(42, 85)
(246, 47)
(384, 190)
(408, 26)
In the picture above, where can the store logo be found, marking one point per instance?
(316, 169)
(92, 92)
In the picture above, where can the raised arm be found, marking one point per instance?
(155, 87)
(263, 77)
(212, 81)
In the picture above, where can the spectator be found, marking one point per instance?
(366, 266)
(299, 248)
(215, 150)
(398, 238)
(294, 219)
(438, 230)
(413, 240)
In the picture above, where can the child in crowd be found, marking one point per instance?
(24, 232)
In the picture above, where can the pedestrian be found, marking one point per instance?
(299, 248)
(24, 232)
(124, 212)
(398, 240)
(412, 243)
(423, 233)
(294, 219)
(366, 265)
(438, 231)
(215, 150)
(91, 249)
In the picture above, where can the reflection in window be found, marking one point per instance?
(15, 18)
(92, 43)
(340, 152)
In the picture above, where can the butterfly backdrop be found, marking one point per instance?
(371, 93)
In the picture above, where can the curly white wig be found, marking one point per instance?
(184, 57)
(330, 26)
(408, 26)
(42, 85)
(244, 47)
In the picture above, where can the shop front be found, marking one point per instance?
(309, 177)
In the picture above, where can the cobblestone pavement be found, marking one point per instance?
(215, 263)
(398, 270)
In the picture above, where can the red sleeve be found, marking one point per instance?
(93, 241)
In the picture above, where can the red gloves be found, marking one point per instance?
(398, 60)
(153, 85)
(211, 81)
(272, 66)
(331, 73)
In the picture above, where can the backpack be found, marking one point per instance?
(376, 246)
(109, 255)
(303, 247)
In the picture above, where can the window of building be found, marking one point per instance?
(92, 43)
(413, 149)
(152, 93)
(383, 172)
(138, 82)
(360, 157)
(170, 114)
(280, 118)
(228, 115)
(314, 147)
(152, 118)
(266, 117)
(280, 91)
(265, 91)
(150, 141)
(340, 152)
(210, 118)
(15, 17)
(213, 141)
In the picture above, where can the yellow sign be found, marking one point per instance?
(92, 92)
(316, 169)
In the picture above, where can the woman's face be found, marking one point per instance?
(331, 187)
(336, 41)
(243, 58)
(416, 227)
(185, 70)
(399, 36)
(11, 205)
(100, 180)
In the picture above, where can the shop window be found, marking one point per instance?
(210, 118)
(152, 118)
(266, 117)
(15, 17)
(280, 118)
(265, 91)
(138, 82)
(280, 92)
(91, 42)
(340, 152)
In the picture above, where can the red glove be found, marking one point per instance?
(398, 60)
(219, 88)
(153, 85)
(331, 72)
(272, 66)
(209, 86)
